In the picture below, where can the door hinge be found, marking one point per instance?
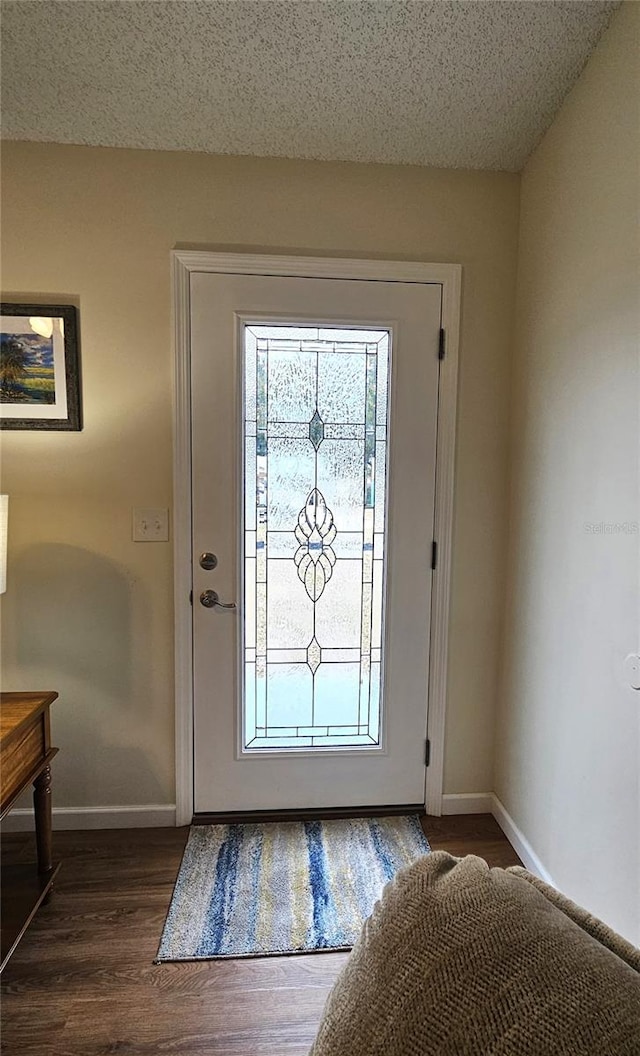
(441, 344)
(191, 597)
(434, 554)
(427, 752)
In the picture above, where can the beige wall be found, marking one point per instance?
(87, 611)
(568, 744)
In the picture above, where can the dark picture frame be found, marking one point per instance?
(39, 367)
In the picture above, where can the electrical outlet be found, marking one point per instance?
(150, 526)
(632, 670)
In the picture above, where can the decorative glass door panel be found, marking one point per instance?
(315, 438)
(315, 491)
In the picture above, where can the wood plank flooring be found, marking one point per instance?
(83, 983)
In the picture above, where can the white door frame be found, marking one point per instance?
(449, 276)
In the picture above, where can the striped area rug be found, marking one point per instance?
(291, 887)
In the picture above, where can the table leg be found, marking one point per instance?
(42, 805)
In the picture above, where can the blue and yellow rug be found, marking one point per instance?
(291, 887)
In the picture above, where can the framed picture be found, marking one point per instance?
(39, 367)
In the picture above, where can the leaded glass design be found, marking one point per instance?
(315, 452)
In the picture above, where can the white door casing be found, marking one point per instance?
(190, 272)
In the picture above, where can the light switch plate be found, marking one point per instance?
(150, 525)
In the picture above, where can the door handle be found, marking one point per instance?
(210, 599)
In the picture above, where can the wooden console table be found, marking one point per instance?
(25, 757)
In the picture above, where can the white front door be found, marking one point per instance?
(314, 412)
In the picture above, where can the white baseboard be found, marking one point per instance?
(164, 814)
(135, 817)
(519, 842)
(467, 803)
(488, 803)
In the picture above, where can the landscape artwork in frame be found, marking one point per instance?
(39, 367)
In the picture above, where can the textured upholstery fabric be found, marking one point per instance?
(462, 960)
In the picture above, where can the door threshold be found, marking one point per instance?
(250, 817)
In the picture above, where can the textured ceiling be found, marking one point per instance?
(462, 84)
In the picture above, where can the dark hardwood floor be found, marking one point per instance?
(83, 983)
